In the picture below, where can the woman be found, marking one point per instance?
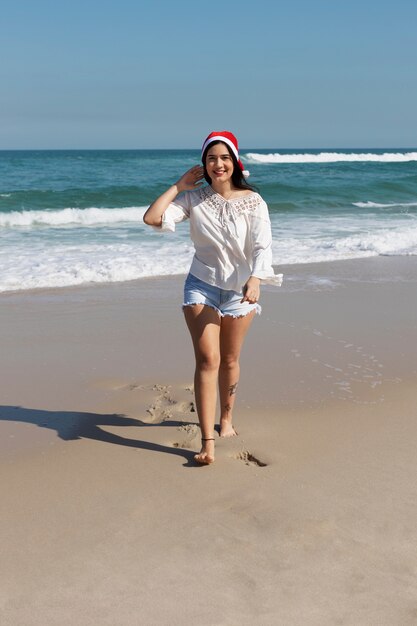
(231, 232)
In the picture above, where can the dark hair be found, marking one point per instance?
(238, 179)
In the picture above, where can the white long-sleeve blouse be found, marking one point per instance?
(232, 238)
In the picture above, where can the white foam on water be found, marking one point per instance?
(67, 217)
(66, 253)
(377, 205)
(330, 157)
(390, 241)
(63, 266)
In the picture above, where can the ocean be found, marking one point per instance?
(75, 217)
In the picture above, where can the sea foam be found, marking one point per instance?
(330, 157)
(78, 261)
(377, 205)
(66, 217)
(63, 266)
(392, 241)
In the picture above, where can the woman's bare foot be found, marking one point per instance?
(226, 428)
(206, 455)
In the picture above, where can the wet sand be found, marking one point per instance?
(307, 517)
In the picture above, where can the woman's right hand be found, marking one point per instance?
(188, 181)
(192, 179)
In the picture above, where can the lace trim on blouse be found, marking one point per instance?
(245, 204)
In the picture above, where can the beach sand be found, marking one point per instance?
(308, 517)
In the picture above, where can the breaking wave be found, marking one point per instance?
(67, 217)
(331, 157)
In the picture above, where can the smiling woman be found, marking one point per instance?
(219, 163)
(231, 232)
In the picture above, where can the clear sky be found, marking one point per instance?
(149, 74)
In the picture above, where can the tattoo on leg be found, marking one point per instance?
(228, 407)
(232, 389)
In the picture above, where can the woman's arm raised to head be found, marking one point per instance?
(188, 181)
(153, 216)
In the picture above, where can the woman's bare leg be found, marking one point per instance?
(232, 334)
(204, 325)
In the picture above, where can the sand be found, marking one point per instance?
(306, 518)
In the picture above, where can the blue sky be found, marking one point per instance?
(296, 74)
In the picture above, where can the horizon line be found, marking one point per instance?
(199, 149)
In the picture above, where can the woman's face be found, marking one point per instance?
(219, 163)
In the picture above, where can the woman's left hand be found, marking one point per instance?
(251, 290)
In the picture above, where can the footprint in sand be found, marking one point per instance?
(175, 403)
(158, 403)
(162, 408)
(187, 434)
(249, 459)
(170, 402)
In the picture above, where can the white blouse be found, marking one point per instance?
(232, 238)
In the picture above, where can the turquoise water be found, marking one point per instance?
(73, 217)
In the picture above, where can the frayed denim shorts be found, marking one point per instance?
(224, 301)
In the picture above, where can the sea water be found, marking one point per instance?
(75, 217)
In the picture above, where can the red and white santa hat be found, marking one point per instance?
(229, 139)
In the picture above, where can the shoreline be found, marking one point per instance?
(338, 270)
(308, 515)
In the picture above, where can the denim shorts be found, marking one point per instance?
(224, 301)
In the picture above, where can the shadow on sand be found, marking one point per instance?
(75, 425)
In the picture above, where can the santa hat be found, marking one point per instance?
(230, 140)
